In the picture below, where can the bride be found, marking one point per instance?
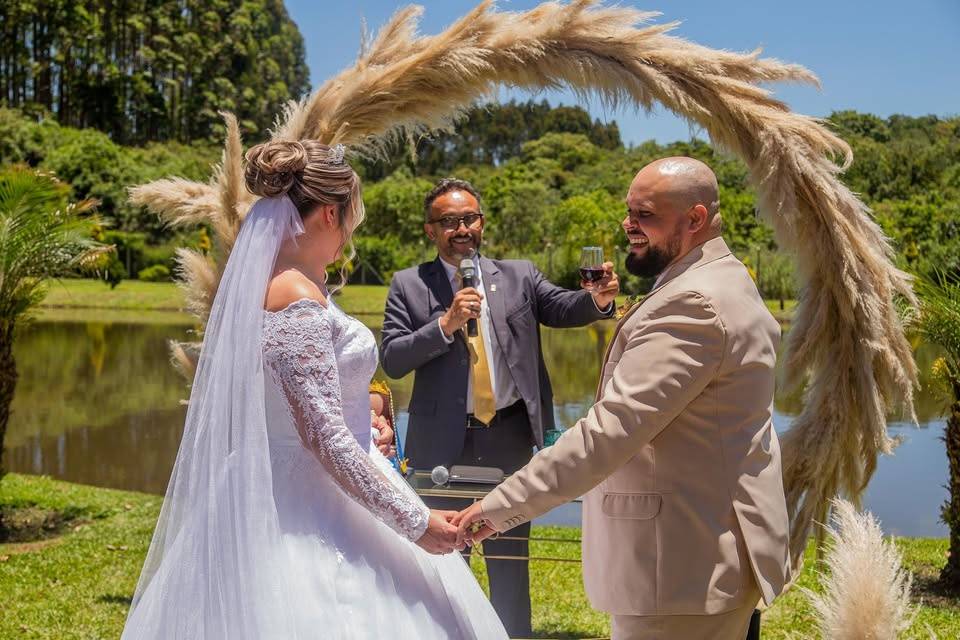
(282, 519)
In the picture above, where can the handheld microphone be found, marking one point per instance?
(440, 475)
(468, 274)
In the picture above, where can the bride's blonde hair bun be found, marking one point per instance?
(311, 174)
(272, 167)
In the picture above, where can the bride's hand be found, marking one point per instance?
(440, 536)
(384, 441)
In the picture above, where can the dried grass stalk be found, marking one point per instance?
(199, 278)
(184, 356)
(847, 339)
(866, 591)
(179, 202)
(235, 200)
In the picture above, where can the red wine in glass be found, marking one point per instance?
(591, 274)
(591, 265)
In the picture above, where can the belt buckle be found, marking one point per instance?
(474, 423)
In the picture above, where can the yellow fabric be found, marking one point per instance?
(484, 405)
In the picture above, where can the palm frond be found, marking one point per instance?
(939, 317)
(41, 236)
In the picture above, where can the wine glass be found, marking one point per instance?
(591, 265)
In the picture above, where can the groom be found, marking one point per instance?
(684, 517)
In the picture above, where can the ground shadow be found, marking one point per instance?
(928, 589)
(114, 598)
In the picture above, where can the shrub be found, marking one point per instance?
(156, 273)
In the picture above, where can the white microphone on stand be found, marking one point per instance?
(440, 475)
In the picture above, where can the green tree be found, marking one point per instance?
(925, 230)
(584, 220)
(492, 134)
(774, 272)
(41, 236)
(145, 70)
(394, 207)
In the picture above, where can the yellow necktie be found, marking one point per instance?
(484, 404)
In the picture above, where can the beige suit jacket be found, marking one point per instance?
(678, 458)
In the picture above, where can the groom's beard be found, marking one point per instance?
(654, 261)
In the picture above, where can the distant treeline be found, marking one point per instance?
(908, 170)
(150, 70)
(492, 134)
(552, 180)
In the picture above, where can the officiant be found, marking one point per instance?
(486, 399)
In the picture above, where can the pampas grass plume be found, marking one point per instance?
(866, 590)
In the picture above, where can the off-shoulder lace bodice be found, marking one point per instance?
(322, 361)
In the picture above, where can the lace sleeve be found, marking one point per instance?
(299, 348)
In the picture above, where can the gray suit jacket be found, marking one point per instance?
(412, 341)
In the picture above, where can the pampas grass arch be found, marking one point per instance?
(847, 341)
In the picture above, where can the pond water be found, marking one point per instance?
(99, 403)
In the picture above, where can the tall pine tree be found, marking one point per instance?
(144, 70)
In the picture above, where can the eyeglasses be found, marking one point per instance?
(452, 223)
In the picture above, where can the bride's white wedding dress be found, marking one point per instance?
(347, 519)
(282, 521)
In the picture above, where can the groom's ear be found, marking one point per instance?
(698, 217)
(428, 229)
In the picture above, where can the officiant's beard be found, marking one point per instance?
(654, 260)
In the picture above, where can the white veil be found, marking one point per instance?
(206, 575)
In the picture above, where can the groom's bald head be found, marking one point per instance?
(680, 182)
(673, 206)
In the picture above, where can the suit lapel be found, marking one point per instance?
(704, 254)
(613, 339)
(493, 292)
(623, 320)
(439, 284)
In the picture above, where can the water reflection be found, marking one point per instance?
(98, 403)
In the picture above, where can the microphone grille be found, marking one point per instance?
(467, 268)
(440, 475)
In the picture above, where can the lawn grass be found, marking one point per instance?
(132, 295)
(78, 585)
(366, 301)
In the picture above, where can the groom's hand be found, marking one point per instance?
(471, 526)
(441, 535)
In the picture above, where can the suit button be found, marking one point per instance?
(460, 401)
(463, 361)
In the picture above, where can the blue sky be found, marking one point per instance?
(882, 57)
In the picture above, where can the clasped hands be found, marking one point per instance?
(452, 530)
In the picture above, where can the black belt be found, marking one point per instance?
(514, 409)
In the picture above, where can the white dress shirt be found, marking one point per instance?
(505, 391)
